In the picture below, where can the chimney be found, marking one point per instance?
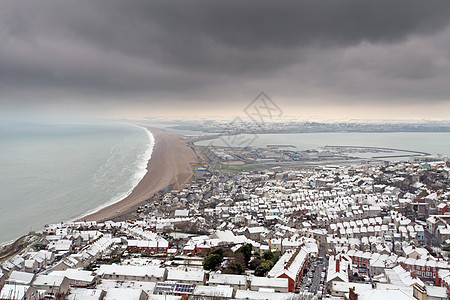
(352, 295)
(419, 292)
(338, 265)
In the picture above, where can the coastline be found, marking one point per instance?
(170, 163)
(143, 168)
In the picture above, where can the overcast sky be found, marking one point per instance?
(337, 59)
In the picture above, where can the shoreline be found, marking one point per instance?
(170, 163)
(122, 196)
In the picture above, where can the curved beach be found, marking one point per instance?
(170, 163)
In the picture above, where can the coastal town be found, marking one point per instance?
(374, 230)
(224, 150)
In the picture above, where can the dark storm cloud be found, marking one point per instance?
(135, 47)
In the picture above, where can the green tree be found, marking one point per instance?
(262, 269)
(218, 251)
(268, 255)
(255, 263)
(276, 256)
(234, 269)
(212, 261)
(246, 250)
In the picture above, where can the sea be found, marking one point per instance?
(434, 143)
(51, 173)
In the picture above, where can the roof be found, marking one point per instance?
(17, 291)
(164, 297)
(146, 286)
(256, 229)
(20, 277)
(344, 286)
(140, 271)
(164, 287)
(229, 279)
(181, 213)
(226, 236)
(48, 280)
(246, 294)
(73, 274)
(178, 275)
(214, 291)
(399, 277)
(183, 288)
(123, 293)
(269, 282)
(436, 291)
(290, 263)
(333, 274)
(383, 295)
(85, 294)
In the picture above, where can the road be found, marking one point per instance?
(312, 280)
(431, 240)
(315, 285)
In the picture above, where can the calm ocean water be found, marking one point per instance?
(52, 173)
(430, 142)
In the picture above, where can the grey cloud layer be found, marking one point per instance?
(182, 49)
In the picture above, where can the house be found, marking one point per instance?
(213, 292)
(238, 282)
(43, 257)
(254, 233)
(181, 213)
(228, 237)
(338, 269)
(153, 246)
(377, 266)
(140, 273)
(31, 265)
(436, 293)
(2, 279)
(442, 208)
(380, 294)
(107, 284)
(340, 288)
(77, 278)
(86, 294)
(18, 277)
(437, 220)
(60, 247)
(172, 288)
(67, 263)
(192, 277)
(52, 284)
(280, 285)
(14, 264)
(263, 295)
(399, 277)
(443, 233)
(17, 292)
(415, 252)
(124, 293)
(291, 266)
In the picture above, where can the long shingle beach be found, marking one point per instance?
(171, 163)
